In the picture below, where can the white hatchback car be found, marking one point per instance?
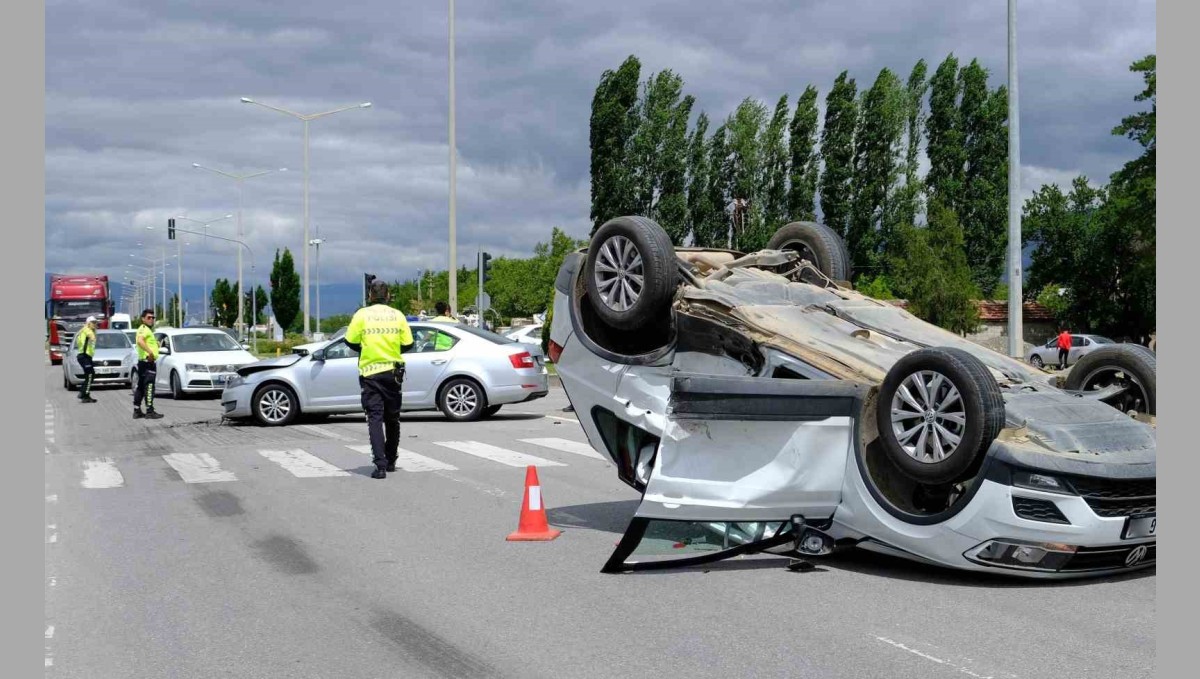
(197, 360)
(527, 334)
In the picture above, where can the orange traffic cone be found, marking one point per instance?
(533, 525)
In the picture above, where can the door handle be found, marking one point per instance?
(439, 361)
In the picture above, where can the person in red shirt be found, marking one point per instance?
(1064, 347)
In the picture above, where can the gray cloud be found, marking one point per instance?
(136, 91)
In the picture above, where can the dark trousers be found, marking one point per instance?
(89, 372)
(381, 397)
(1062, 358)
(147, 372)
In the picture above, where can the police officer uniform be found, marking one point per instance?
(380, 334)
(147, 353)
(442, 341)
(85, 341)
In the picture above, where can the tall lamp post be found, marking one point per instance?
(205, 224)
(316, 243)
(453, 277)
(239, 179)
(306, 119)
(1016, 334)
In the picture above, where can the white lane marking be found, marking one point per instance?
(496, 454)
(102, 472)
(50, 632)
(322, 431)
(198, 468)
(49, 661)
(567, 446)
(302, 464)
(52, 498)
(941, 661)
(53, 581)
(564, 419)
(409, 461)
(52, 539)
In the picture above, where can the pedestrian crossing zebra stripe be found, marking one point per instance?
(497, 454)
(198, 468)
(407, 460)
(566, 446)
(102, 472)
(302, 464)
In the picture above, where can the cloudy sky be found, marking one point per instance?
(138, 90)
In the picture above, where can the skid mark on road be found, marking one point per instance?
(436, 654)
(286, 555)
(933, 654)
(220, 503)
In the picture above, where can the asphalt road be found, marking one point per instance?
(190, 548)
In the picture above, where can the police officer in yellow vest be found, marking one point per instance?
(85, 342)
(147, 368)
(380, 334)
(442, 341)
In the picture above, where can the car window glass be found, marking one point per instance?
(1076, 341)
(204, 341)
(425, 340)
(339, 350)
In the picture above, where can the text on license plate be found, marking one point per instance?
(219, 379)
(107, 371)
(1141, 527)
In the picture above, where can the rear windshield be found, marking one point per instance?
(485, 334)
(1102, 340)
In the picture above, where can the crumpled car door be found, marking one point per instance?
(744, 463)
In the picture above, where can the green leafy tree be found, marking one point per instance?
(259, 302)
(173, 310)
(804, 162)
(223, 303)
(1054, 297)
(285, 289)
(775, 168)
(837, 152)
(699, 176)
(713, 230)
(744, 173)
(910, 196)
(671, 208)
(930, 270)
(983, 210)
(331, 324)
(877, 168)
(614, 121)
(944, 130)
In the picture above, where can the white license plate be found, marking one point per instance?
(220, 379)
(107, 371)
(1141, 527)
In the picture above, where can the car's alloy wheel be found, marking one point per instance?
(619, 274)
(631, 272)
(1036, 361)
(275, 405)
(462, 400)
(938, 412)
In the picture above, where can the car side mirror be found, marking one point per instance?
(164, 351)
(318, 355)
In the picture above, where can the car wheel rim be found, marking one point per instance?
(620, 274)
(928, 416)
(1037, 361)
(461, 399)
(1133, 398)
(274, 405)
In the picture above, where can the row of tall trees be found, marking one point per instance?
(223, 303)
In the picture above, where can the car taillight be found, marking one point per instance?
(555, 351)
(521, 360)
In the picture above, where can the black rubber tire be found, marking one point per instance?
(983, 409)
(1139, 361)
(67, 384)
(293, 409)
(815, 242)
(1036, 361)
(56, 361)
(133, 379)
(660, 274)
(176, 387)
(490, 410)
(457, 383)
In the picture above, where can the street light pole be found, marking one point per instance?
(453, 270)
(1016, 335)
(316, 242)
(239, 179)
(306, 119)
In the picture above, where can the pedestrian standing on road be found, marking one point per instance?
(443, 314)
(147, 368)
(380, 334)
(85, 341)
(1064, 348)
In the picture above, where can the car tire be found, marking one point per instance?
(133, 379)
(964, 404)
(818, 244)
(67, 384)
(177, 392)
(462, 400)
(1131, 364)
(490, 410)
(1036, 361)
(623, 249)
(275, 405)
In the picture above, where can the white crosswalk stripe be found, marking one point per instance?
(302, 464)
(409, 461)
(102, 472)
(497, 454)
(323, 431)
(198, 468)
(566, 446)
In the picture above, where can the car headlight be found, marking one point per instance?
(196, 367)
(235, 381)
(1039, 481)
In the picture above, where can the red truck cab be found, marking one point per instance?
(74, 297)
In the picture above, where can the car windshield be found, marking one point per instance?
(1102, 340)
(111, 340)
(203, 341)
(132, 335)
(485, 334)
(341, 332)
(77, 308)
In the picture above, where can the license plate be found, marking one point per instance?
(1140, 527)
(219, 379)
(107, 371)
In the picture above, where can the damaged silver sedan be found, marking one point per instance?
(758, 403)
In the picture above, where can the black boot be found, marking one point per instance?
(152, 414)
(138, 414)
(379, 474)
(88, 399)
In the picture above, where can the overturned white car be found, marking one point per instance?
(760, 404)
